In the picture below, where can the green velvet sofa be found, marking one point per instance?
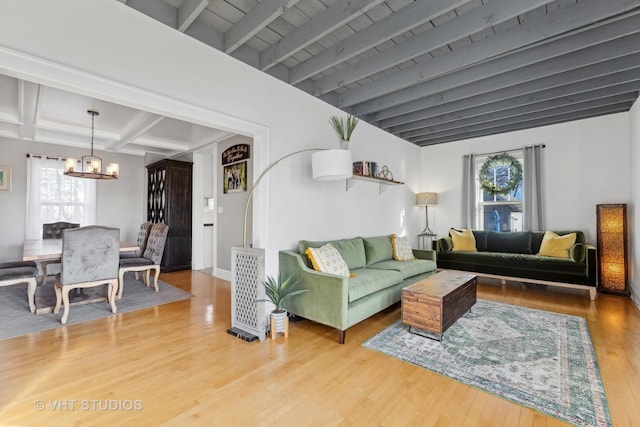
(376, 282)
(512, 256)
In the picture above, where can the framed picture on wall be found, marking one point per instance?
(235, 178)
(5, 178)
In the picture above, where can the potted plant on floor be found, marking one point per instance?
(278, 291)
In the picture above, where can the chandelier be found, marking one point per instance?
(91, 166)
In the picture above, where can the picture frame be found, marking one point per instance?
(235, 178)
(5, 178)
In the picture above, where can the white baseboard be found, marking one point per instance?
(223, 274)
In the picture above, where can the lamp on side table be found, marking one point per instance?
(426, 199)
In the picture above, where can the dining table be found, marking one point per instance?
(51, 249)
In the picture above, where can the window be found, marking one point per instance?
(53, 196)
(499, 212)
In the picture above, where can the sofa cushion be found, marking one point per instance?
(406, 268)
(328, 260)
(377, 249)
(370, 280)
(515, 242)
(578, 252)
(463, 240)
(401, 248)
(537, 236)
(351, 250)
(556, 246)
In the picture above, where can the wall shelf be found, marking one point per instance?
(382, 182)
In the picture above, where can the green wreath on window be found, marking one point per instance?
(501, 186)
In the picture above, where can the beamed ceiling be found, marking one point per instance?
(432, 71)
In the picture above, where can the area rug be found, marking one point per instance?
(536, 358)
(16, 319)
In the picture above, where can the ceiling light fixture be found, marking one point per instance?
(91, 165)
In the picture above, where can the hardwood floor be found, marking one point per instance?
(175, 365)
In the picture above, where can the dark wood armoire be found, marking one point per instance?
(169, 201)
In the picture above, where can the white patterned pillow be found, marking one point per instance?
(401, 248)
(328, 260)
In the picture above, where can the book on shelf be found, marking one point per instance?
(365, 168)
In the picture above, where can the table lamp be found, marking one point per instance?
(427, 199)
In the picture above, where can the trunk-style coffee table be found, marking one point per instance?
(435, 303)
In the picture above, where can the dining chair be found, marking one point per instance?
(143, 237)
(53, 231)
(12, 273)
(150, 259)
(90, 258)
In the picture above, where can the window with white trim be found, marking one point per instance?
(53, 196)
(502, 211)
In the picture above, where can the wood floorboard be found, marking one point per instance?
(175, 365)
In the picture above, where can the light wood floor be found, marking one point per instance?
(176, 365)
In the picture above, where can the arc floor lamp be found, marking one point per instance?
(248, 320)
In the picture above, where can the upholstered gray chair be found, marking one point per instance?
(90, 257)
(12, 273)
(150, 259)
(53, 231)
(143, 237)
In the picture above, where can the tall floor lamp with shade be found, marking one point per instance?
(248, 320)
(611, 229)
(426, 199)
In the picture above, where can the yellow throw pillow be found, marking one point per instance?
(557, 246)
(401, 248)
(328, 260)
(463, 240)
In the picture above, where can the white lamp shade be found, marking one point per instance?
(331, 165)
(426, 199)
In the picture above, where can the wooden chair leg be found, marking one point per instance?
(65, 302)
(58, 290)
(31, 294)
(120, 282)
(111, 295)
(156, 271)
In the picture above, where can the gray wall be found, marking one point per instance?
(120, 203)
(230, 221)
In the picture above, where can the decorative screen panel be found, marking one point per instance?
(247, 275)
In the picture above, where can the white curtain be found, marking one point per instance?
(468, 191)
(533, 208)
(53, 196)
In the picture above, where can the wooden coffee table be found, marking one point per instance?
(435, 303)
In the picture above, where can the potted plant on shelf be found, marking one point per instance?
(278, 291)
(344, 128)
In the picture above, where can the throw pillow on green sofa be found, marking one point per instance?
(352, 250)
(378, 249)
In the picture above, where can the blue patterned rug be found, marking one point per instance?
(539, 359)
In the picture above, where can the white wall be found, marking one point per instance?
(120, 203)
(146, 65)
(585, 163)
(634, 214)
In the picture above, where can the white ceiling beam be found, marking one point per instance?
(469, 23)
(476, 105)
(123, 1)
(255, 20)
(394, 25)
(140, 124)
(28, 104)
(385, 106)
(606, 58)
(573, 16)
(189, 11)
(319, 26)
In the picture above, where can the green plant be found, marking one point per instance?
(278, 291)
(344, 129)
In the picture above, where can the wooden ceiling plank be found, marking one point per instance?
(522, 58)
(392, 26)
(189, 11)
(520, 125)
(477, 105)
(599, 54)
(605, 96)
(566, 19)
(477, 93)
(259, 17)
(320, 25)
(477, 19)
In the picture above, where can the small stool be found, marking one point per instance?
(12, 273)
